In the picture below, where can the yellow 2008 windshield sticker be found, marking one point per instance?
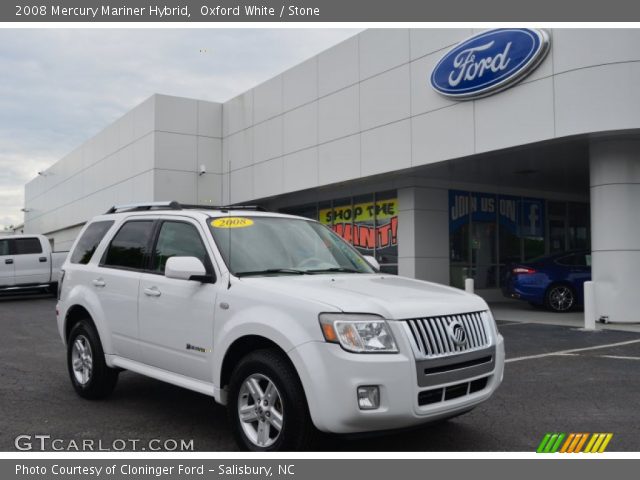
(232, 222)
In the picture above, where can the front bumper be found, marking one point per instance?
(331, 376)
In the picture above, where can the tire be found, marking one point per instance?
(560, 298)
(286, 407)
(94, 379)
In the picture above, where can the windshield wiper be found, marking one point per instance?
(334, 269)
(271, 270)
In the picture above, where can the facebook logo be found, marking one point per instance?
(533, 218)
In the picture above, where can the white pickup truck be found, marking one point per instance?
(27, 263)
(274, 316)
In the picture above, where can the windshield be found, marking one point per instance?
(283, 246)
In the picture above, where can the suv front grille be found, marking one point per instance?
(432, 336)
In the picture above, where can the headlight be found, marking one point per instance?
(358, 333)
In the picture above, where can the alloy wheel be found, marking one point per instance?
(260, 410)
(82, 360)
(561, 298)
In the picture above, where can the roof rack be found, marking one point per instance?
(173, 205)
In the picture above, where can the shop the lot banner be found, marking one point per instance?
(367, 226)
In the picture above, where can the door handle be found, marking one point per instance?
(98, 282)
(8, 261)
(152, 292)
(42, 259)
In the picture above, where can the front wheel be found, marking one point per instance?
(560, 298)
(267, 405)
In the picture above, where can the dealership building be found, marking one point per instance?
(539, 153)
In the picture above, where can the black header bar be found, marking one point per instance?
(319, 11)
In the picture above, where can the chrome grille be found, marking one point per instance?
(431, 336)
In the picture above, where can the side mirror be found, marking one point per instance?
(183, 268)
(373, 262)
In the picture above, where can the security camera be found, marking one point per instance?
(202, 169)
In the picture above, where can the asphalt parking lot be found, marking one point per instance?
(557, 379)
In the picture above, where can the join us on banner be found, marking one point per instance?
(523, 217)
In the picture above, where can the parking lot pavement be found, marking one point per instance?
(557, 379)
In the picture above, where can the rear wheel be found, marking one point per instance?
(267, 406)
(560, 298)
(90, 376)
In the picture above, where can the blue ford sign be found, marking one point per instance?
(489, 62)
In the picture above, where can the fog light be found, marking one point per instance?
(368, 397)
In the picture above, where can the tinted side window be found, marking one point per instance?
(26, 246)
(178, 239)
(566, 261)
(4, 247)
(89, 241)
(574, 260)
(130, 247)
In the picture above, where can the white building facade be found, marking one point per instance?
(437, 188)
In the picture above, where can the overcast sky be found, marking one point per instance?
(59, 87)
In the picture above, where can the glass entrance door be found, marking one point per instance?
(483, 254)
(557, 234)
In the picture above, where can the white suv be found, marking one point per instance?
(274, 316)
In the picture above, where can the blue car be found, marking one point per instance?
(554, 281)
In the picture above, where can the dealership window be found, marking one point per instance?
(484, 230)
(532, 227)
(459, 235)
(488, 232)
(569, 226)
(369, 222)
(578, 219)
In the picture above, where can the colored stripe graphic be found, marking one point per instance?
(568, 443)
(598, 442)
(550, 443)
(543, 443)
(574, 443)
(607, 439)
(556, 445)
(581, 442)
(590, 444)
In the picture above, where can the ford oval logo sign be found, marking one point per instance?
(489, 62)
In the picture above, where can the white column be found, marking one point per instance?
(423, 234)
(615, 227)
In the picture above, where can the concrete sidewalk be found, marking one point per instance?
(521, 312)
